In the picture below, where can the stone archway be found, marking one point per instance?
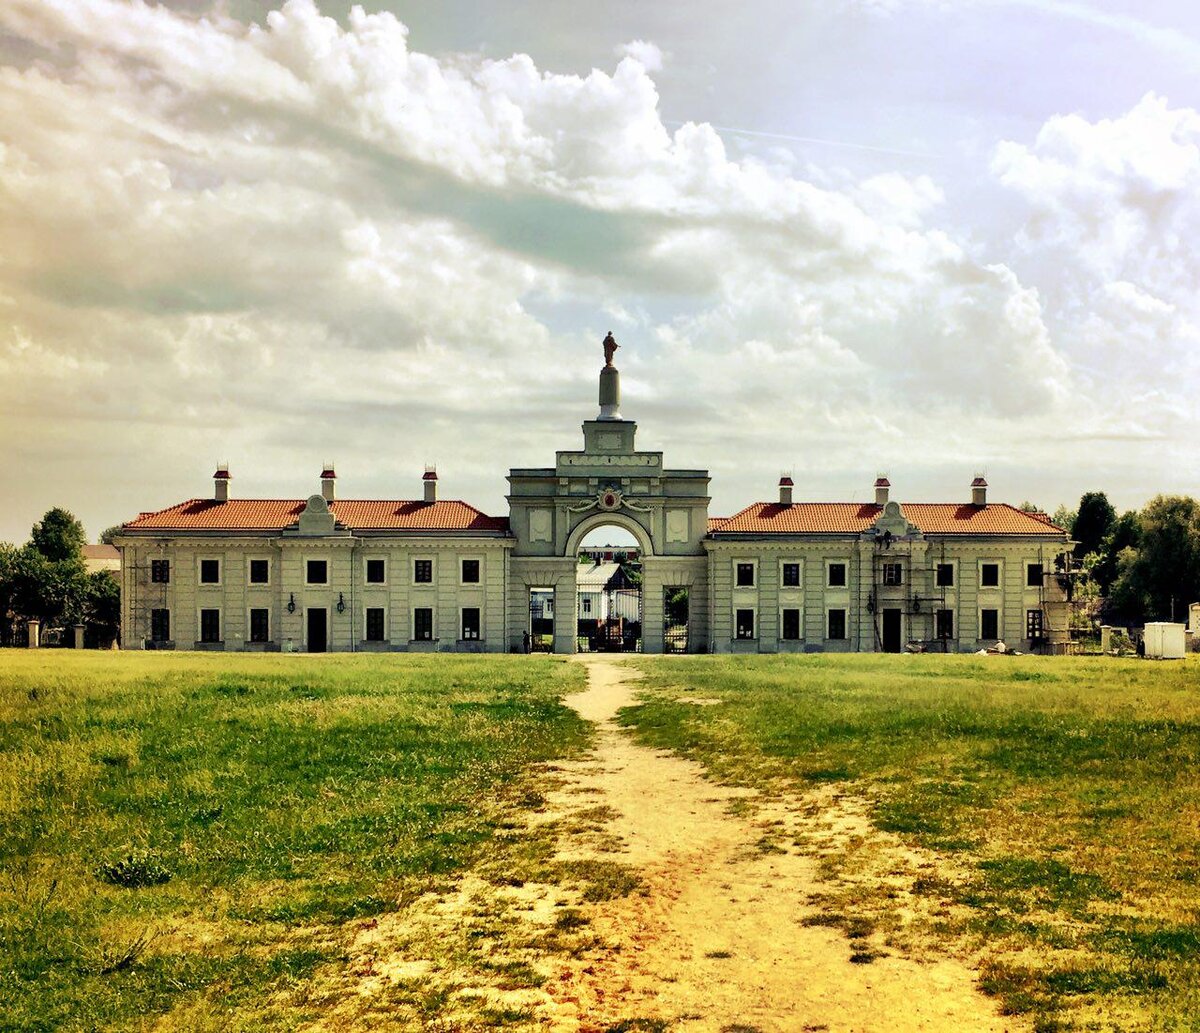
(597, 520)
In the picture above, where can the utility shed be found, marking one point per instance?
(1165, 641)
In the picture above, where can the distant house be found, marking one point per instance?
(605, 591)
(102, 557)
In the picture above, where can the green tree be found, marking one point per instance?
(102, 605)
(1161, 576)
(109, 533)
(1063, 517)
(1094, 521)
(1103, 564)
(58, 536)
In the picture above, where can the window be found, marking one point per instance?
(470, 622)
(837, 575)
(944, 578)
(423, 572)
(587, 606)
(470, 572)
(260, 573)
(745, 575)
(1034, 624)
(1033, 575)
(376, 572)
(160, 624)
(837, 624)
(791, 624)
(989, 623)
(989, 576)
(210, 572)
(375, 623)
(316, 572)
(791, 575)
(260, 623)
(210, 625)
(745, 623)
(893, 574)
(160, 571)
(944, 623)
(423, 621)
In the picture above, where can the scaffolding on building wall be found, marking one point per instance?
(145, 596)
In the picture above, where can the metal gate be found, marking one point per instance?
(675, 619)
(540, 636)
(611, 622)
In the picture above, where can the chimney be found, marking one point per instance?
(979, 492)
(328, 483)
(430, 481)
(881, 490)
(785, 491)
(221, 483)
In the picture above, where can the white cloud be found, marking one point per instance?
(647, 54)
(310, 237)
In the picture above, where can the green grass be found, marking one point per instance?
(176, 829)
(1064, 791)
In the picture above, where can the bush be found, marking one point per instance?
(135, 871)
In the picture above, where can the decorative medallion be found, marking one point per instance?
(609, 499)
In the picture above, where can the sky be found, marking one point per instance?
(834, 239)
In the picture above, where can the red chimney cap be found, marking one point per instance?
(430, 475)
(328, 475)
(785, 482)
(979, 482)
(882, 482)
(222, 474)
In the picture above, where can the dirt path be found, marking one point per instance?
(722, 937)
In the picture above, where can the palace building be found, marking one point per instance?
(330, 574)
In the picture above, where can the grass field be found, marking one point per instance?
(200, 833)
(1063, 794)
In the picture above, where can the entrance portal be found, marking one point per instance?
(892, 620)
(318, 636)
(675, 619)
(608, 590)
(541, 620)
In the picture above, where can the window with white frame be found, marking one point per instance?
(160, 571)
(791, 625)
(376, 572)
(744, 623)
(790, 574)
(375, 624)
(210, 625)
(160, 625)
(744, 574)
(210, 572)
(893, 574)
(423, 572)
(944, 575)
(260, 572)
(1033, 575)
(423, 624)
(835, 575)
(469, 572)
(989, 577)
(836, 624)
(260, 625)
(470, 623)
(316, 572)
(989, 623)
(944, 623)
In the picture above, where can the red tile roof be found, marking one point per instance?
(856, 517)
(358, 515)
(714, 523)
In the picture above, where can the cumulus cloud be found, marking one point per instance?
(306, 237)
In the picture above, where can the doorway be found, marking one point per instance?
(675, 619)
(318, 629)
(541, 621)
(892, 621)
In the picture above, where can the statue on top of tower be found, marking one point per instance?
(610, 346)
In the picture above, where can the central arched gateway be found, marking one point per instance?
(608, 481)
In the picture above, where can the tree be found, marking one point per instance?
(1159, 577)
(58, 536)
(1094, 521)
(103, 604)
(1103, 564)
(1064, 518)
(109, 533)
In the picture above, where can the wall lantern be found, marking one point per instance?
(291, 606)
(871, 603)
(341, 607)
(916, 604)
